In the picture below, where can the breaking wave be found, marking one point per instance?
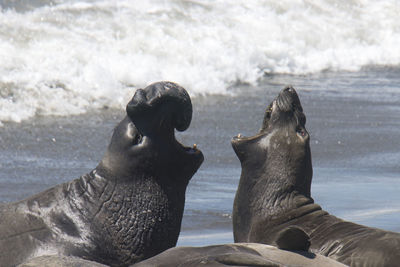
(67, 57)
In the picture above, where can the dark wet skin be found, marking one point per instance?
(240, 254)
(129, 207)
(274, 193)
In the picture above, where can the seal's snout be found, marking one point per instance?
(288, 100)
(162, 104)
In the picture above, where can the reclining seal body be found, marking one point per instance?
(293, 244)
(274, 193)
(129, 207)
(243, 254)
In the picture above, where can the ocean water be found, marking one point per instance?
(67, 57)
(68, 68)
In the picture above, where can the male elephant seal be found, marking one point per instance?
(274, 193)
(129, 207)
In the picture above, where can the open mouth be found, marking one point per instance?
(239, 137)
(191, 150)
(139, 140)
(286, 102)
(268, 111)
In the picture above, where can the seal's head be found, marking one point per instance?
(280, 151)
(144, 142)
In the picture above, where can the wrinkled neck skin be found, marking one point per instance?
(129, 220)
(112, 222)
(276, 194)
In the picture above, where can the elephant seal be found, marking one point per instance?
(274, 193)
(293, 244)
(240, 254)
(129, 207)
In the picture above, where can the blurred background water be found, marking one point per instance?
(67, 57)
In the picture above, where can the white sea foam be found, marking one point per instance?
(66, 57)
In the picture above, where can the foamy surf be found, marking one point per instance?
(68, 57)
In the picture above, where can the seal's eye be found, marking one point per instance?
(137, 139)
(269, 110)
(301, 131)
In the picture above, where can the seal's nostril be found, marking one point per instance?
(288, 89)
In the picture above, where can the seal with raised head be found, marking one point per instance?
(274, 193)
(128, 208)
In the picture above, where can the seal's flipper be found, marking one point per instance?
(293, 238)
